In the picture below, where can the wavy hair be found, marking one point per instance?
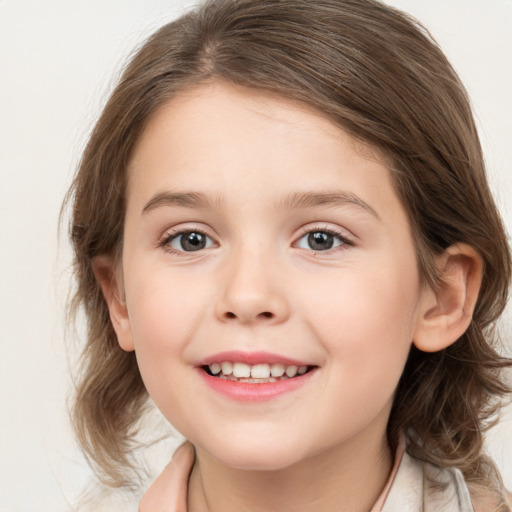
(377, 74)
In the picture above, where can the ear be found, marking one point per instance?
(446, 313)
(110, 279)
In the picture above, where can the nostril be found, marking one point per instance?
(263, 314)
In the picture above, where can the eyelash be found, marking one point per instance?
(345, 242)
(169, 237)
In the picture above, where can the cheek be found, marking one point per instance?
(367, 324)
(161, 334)
(163, 309)
(163, 319)
(366, 328)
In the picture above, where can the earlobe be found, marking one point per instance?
(447, 311)
(110, 281)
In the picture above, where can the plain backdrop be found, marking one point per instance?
(58, 61)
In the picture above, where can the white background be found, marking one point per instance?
(58, 59)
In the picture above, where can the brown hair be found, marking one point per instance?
(377, 74)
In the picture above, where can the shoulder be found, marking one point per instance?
(444, 485)
(485, 500)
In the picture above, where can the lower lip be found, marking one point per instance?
(250, 392)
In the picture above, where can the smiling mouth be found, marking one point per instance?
(257, 373)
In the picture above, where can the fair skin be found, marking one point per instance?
(255, 225)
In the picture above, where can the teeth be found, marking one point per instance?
(227, 368)
(215, 368)
(260, 371)
(291, 371)
(257, 371)
(277, 370)
(241, 370)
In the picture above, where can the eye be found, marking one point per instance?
(188, 241)
(321, 240)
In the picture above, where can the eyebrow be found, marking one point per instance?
(296, 200)
(185, 199)
(334, 199)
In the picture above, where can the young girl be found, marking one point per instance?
(284, 236)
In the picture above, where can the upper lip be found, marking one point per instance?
(251, 358)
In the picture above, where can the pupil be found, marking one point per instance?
(319, 241)
(193, 242)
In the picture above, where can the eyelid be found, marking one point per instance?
(341, 234)
(170, 234)
(173, 233)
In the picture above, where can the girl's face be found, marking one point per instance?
(259, 233)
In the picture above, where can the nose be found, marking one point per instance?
(252, 291)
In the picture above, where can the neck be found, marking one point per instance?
(346, 477)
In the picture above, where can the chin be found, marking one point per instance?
(269, 461)
(250, 456)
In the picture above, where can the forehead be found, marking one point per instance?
(204, 115)
(224, 140)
